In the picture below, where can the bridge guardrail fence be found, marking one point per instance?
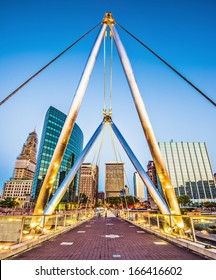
(17, 229)
(196, 228)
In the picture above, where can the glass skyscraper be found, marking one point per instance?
(190, 170)
(53, 123)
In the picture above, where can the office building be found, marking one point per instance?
(114, 178)
(190, 170)
(140, 190)
(53, 123)
(20, 186)
(89, 182)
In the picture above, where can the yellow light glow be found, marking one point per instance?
(33, 225)
(29, 237)
(180, 224)
(6, 247)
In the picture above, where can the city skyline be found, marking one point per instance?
(176, 111)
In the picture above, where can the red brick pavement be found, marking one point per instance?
(123, 242)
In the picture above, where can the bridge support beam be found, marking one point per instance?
(56, 160)
(145, 178)
(70, 176)
(147, 128)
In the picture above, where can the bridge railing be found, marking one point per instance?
(17, 229)
(196, 228)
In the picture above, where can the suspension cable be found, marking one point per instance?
(171, 67)
(115, 148)
(111, 59)
(113, 145)
(104, 109)
(101, 146)
(49, 63)
(124, 169)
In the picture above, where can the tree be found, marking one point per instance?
(83, 198)
(183, 199)
(9, 202)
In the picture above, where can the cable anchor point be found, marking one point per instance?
(107, 118)
(108, 19)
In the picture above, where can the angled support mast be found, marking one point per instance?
(147, 128)
(145, 178)
(56, 160)
(70, 176)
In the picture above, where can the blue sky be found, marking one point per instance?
(182, 32)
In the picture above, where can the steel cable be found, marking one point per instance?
(49, 63)
(171, 67)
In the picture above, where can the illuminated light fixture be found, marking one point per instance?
(6, 247)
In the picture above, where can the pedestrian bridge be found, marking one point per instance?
(131, 235)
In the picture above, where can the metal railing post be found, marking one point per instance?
(21, 231)
(56, 220)
(158, 224)
(193, 230)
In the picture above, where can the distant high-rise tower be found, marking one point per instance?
(89, 181)
(114, 181)
(26, 163)
(140, 190)
(190, 170)
(53, 123)
(21, 185)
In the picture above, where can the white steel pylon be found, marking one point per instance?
(70, 176)
(144, 119)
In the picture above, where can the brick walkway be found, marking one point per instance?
(107, 239)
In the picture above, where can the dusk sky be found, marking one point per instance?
(181, 31)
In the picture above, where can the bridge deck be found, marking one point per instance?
(107, 239)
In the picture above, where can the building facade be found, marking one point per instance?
(151, 171)
(89, 182)
(190, 170)
(20, 186)
(101, 197)
(53, 123)
(114, 178)
(140, 190)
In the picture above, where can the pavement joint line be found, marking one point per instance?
(67, 243)
(116, 256)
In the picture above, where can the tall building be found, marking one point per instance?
(101, 197)
(89, 182)
(190, 170)
(114, 181)
(140, 190)
(151, 171)
(53, 123)
(21, 185)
